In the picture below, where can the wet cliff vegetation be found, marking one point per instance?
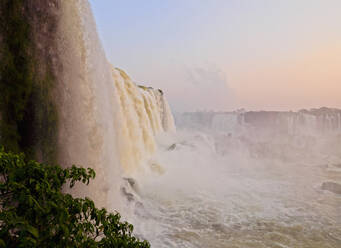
(34, 211)
(28, 68)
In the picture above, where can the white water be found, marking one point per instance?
(106, 121)
(143, 115)
(316, 121)
(218, 190)
(229, 184)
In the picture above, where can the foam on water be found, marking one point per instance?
(246, 180)
(214, 194)
(106, 121)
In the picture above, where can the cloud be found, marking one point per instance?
(207, 88)
(203, 86)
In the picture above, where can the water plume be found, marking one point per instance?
(106, 121)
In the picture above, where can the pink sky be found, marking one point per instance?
(228, 54)
(306, 79)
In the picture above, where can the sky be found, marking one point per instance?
(224, 55)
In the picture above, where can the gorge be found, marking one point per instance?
(200, 179)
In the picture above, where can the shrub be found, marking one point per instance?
(35, 213)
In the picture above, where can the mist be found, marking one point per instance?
(244, 179)
(261, 177)
(208, 123)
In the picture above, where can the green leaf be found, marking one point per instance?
(39, 214)
(2, 243)
(33, 231)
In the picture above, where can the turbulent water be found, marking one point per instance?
(236, 185)
(106, 121)
(222, 180)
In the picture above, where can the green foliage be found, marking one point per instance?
(28, 118)
(16, 77)
(35, 213)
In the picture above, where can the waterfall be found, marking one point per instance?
(314, 122)
(142, 113)
(106, 121)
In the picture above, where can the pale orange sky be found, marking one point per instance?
(309, 78)
(228, 54)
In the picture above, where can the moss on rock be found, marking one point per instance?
(28, 116)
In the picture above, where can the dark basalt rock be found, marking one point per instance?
(29, 69)
(332, 187)
(132, 184)
(337, 165)
(131, 181)
(172, 147)
(129, 196)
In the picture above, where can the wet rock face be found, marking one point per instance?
(337, 165)
(129, 196)
(43, 16)
(172, 147)
(130, 189)
(29, 66)
(132, 183)
(332, 187)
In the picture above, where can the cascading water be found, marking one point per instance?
(238, 179)
(106, 121)
(143, 114)
(315, 121)
(242, 180)
(231, 181)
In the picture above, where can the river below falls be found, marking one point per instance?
(195, 196)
